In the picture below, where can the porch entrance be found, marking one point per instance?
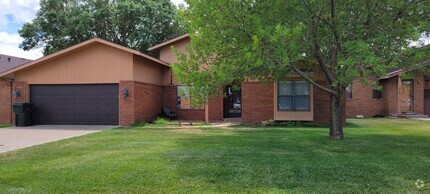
(232, 103)
(407, 96)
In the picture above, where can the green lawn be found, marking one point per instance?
(377, 156)
(5, 125)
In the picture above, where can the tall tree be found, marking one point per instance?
(137, 24)
(235, 40)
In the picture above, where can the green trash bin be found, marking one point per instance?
(23, 114)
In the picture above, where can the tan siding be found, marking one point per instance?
(167, 55)
(147, 71)
(93, 64)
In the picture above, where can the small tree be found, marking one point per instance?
(235, 40)
(137, 24)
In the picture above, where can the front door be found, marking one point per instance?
(407, 96)
(232, 103)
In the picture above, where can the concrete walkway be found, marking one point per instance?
(12, 138)
(421, 119)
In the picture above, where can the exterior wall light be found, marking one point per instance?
(125, 93)
(16, 93)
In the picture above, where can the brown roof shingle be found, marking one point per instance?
(9, 62)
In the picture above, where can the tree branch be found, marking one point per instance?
(317, 51)
(303, 75)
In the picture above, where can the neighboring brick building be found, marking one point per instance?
(398, 96)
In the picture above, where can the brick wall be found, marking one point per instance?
(391, 96)
(419, 84)
(257, 102)
(5, 102)
(126, 105)
(362, 102)
(321, 105)
(23, 88)
(216, 108)
(147, 101)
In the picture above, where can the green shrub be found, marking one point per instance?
(268, 123)
(292, 124)
(139, 124)
(161, 121)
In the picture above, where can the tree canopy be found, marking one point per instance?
(137, 24)
(267, 40)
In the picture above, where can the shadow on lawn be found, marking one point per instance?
(301, 160)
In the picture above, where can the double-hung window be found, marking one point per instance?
(294, 96)
(185, 99)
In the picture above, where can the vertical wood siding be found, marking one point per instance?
(93, 64)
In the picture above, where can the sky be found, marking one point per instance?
(13, 15)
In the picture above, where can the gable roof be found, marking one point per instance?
(8, 62)
(79, 46)
(158, 46)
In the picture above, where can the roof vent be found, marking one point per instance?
(8, 59)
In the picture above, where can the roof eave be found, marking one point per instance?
(159, 46)
(82, 45)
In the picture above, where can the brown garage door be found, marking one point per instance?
(75, 104)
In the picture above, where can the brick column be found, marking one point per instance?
(216, 108)
(22, 87)
(419, 94)
(126, 105)
(5, 102)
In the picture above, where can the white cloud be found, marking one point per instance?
(13, 50)
(21, 10)
(6, 38)
(9, 46)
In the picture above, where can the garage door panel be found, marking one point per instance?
(75, 104)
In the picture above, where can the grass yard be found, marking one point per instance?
(377, 156)
(5, 125)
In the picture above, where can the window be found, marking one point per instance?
(376, 94)
(185, 100)
(348, 92)
(294, 96)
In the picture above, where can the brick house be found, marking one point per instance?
(398, 97)
(99, 82)
(6, 63)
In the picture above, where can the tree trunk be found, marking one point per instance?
(336, 120)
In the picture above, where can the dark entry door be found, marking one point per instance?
(407, 96)
(427, 101)
(232, 103)
(93, 104)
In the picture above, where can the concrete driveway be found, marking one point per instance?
(12, 138)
